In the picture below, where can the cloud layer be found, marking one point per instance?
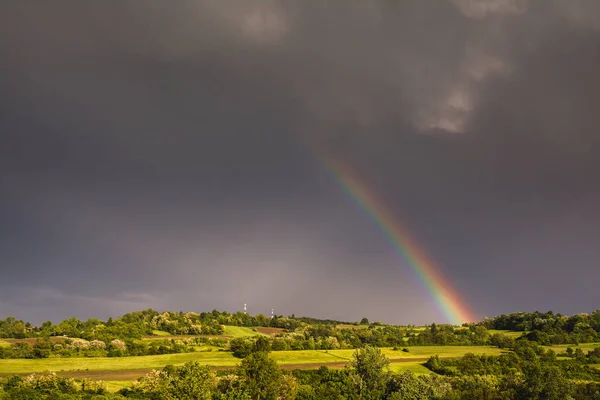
(159, 155)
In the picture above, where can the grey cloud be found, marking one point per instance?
(167, 149)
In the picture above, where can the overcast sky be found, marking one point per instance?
(158, 154)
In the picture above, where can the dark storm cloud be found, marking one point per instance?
(158, 155)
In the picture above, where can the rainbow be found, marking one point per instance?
(445, 296)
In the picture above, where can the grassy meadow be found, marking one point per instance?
(413, 366)
(129, 368)
(352, 326)
(115, 386)
(512, 334)
(25, 366)
(561, 348)
(120, 372)
(156, 332)
(230, 332)
(240, 331)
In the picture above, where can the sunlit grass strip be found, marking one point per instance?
(240, 331)
(223, 359)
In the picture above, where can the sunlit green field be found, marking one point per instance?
(442, 351)
(216, 359)
(20, 366)
(413, 366)
(3, 343)
(561, 348)
(222, 359)
(156, 332)
(240, 331)
(352, 326)
(119, 372)
(231, 331)
(115, 386)
(512, 334)
(418, 328)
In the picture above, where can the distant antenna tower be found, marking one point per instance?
(244, 308)
(272, 313)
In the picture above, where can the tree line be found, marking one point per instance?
(68, 348)
(97, 338)
(549, 328)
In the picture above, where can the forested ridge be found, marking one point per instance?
(121, 336)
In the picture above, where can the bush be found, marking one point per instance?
(240, 347)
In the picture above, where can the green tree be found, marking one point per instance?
(480, 335)
(545, 382)
(579, 355)
(478, 387)
(191, 381)
(371, 368)
(42, 348)
(569, 351)
(408, 386)
(262, 344)
(240, 347)
(262, 376)
(434, 329)
(502, 341)
(288, 387)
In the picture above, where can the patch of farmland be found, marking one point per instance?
(268, 331)
(161, 338)
(131, 368)
(585, 347)
(31, 341)
(28, 366)
(420, 352)
(115, 386)
(413, 366)
(157, 332)
(512, 334)
(352, 326)
(241, 331)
